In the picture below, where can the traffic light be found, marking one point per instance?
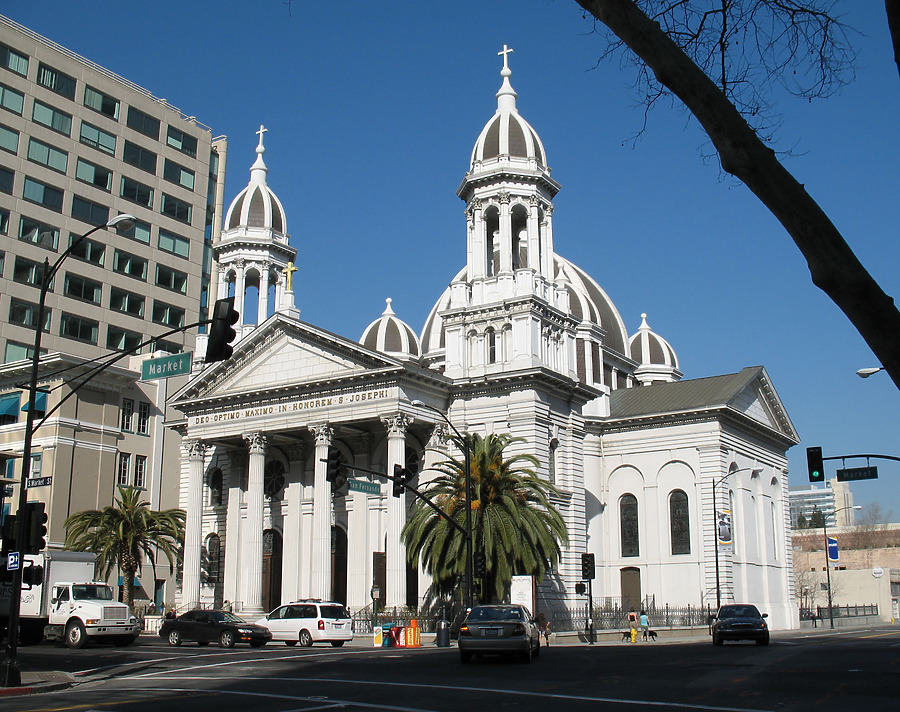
(335, 472)
(36, 528)
(580, 588)
(814, 464)
(479, 564)
(401, 475)
(9, 533)
(587, 567)
(221, 333)
(33, 575)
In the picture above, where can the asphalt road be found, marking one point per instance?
(815, 670)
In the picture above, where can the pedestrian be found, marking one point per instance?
(544, 627)
(170, 614)
(645, 626)
(226, 606)
(632, 624)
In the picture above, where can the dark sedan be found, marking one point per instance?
(741, 621)
(501, 629)
(205, 627)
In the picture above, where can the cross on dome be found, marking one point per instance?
(262, 130)
(505, 52)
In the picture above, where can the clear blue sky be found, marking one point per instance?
(373, 109)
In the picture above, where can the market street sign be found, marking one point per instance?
(38, 482)
(174, 365)
(364, 486)
(857, 473)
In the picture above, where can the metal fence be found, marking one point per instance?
(844, 611)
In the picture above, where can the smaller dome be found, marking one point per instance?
(391, 336)
(656, 357)
(256, 206)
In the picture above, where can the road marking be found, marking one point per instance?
(879, 635)
(458, 688)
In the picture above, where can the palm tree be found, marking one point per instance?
(125, 535)
(514, 524)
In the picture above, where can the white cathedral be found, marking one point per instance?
(522, 341)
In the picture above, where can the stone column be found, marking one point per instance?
(193, 534)
(505, 234)
(252, 542)
(535, 260)
(359, 548)
(320, 583)
(477, 249)
(396, 512)
(263, 310)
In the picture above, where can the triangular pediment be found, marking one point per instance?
(758, 401)
(284, 354)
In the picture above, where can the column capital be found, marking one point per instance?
(504, 197)
(256, 442)
(322, 432)
(396, 424)
(195, 448)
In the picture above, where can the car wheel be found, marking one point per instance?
(716, 639)
(337, 643)
(527, 655)
(226, 639)
(536, 652)
(174, 637)
(290, 643)
(257, 643)
(75, 635)
(464, 657)
(305, 639)
(763, 641)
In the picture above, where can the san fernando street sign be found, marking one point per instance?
(363, 486)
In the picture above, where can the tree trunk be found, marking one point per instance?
(833, 266)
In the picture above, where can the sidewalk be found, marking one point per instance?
(39, 681)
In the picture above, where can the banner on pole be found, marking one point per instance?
(723, 532)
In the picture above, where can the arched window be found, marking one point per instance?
(628, 525)
(212, 558)
(215, 487)
(679, 522)
(274, 479)
(491, 345)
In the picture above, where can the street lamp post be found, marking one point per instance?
(716, 527)
(376, 594)
(9, 671)
(464, 442)
(866, 372)
(828, 562)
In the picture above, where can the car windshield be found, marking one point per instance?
(492, 613)
(739, 612)
(91, 592)
(226, 617)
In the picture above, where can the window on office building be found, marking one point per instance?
(143, 123)
(182, 142)
(139, 157)
(127, 420)
(4, 221)
(140, 471)
(178, 174)
(119, 339)
(26, 313)
(175, 208)
(87, 250)
(168, 315)
(126, 302)
(12, 100)
(130, 265)
(26, 271)
(79, 287)
(170, 347)
(177, 245)
(9, 139)
(36, 192)
(56, 81)
(13, 61)
(47, 155)
(55, 119)
(78, 328)
(143, 423)
(17, 352)
(169, 278)
(95, 175)
(7, 177)
(137, 192)
(38, 233)
(123, 470)
(100, 102)
(97, 138)
(88, 211)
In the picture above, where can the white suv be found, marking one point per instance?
(308, 622)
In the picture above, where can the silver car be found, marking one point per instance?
(499, 629)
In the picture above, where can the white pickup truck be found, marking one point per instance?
(69, 605)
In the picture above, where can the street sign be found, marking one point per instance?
(38, 482)
(12, 561)
(852, 474)
(165, 366)
(364, 486)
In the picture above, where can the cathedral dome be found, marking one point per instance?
(656, 357)
(391, 336)
(256, 206)
(507, 136)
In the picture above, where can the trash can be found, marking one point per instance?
(442, 639)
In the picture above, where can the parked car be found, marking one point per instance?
(499, 629)
(740, 621)
(307, 622)
(205, 627)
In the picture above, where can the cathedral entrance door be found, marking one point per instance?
(630, 578)
(271, 570)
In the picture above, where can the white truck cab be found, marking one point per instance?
(82, 610)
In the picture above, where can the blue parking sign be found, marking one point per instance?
(12, 561)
